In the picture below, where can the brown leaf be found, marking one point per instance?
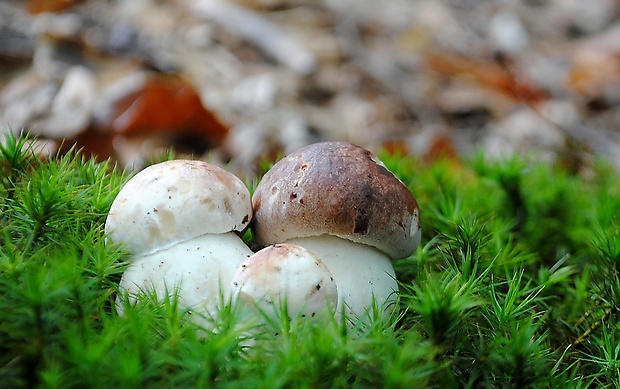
(91, 143)
(490, 74)
(40, 6)
(165, 105)
(396, 147)
(592, 71)
(441, 147)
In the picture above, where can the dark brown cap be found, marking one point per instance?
(340, 189)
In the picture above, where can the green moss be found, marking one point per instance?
(516, 284)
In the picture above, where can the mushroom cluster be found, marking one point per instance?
(330, 218)
(340, 202)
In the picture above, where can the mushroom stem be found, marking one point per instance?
(198, 270)
(362, 273)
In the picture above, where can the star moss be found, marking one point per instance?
(516, 284)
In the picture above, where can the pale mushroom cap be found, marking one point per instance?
(286, 273)
(339, 189)
(174, 201)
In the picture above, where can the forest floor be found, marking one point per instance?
(238, 82)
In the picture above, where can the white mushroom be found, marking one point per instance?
(340, 202)
(285, 278)
(180, 221)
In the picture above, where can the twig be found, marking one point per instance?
(573, 146)
(257, 30)
(587, 333)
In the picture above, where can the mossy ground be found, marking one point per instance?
(516, 284)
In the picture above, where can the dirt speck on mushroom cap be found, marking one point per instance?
(339, 189)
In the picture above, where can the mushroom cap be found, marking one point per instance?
(336, 188)
(174, 201)
(285, 273)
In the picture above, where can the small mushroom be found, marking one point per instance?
(341, 203)
(285, 276)
(180, 221)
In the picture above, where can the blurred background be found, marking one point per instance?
(240, 82)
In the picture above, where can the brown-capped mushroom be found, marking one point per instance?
(340, 202)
